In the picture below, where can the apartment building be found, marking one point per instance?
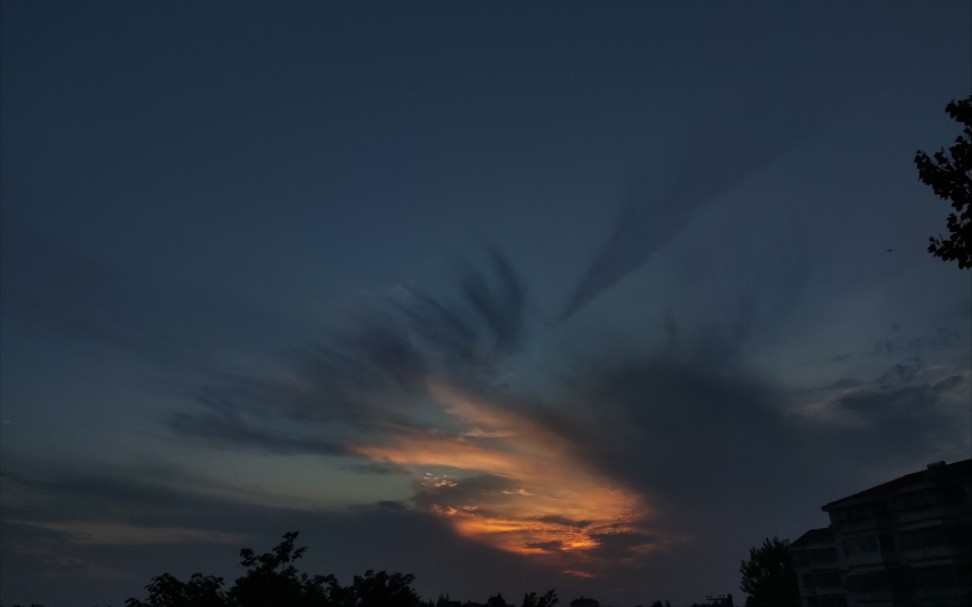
(905, 543)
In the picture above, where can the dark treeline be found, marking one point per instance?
(272, 580)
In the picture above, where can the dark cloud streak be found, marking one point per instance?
(367, 377)
(650, 217)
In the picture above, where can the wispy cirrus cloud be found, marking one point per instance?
(86, 532)
(413, 385)
(649, 218)
(617, 464)
(370, 375)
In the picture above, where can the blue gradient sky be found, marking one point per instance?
(508, 296)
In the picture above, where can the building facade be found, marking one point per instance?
(905, 543)
(818, 569)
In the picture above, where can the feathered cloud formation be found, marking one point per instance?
(605, 458)
(415, 385)
(620, 462)
(618, 405)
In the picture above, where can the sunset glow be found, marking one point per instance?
(508, 482)
(499, 297)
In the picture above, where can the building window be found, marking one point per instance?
(941, 576)
(876, 581)
(926, 537)
(853, 514)
(861, 545)
(815, 555)
(828, 578)
(827, 600)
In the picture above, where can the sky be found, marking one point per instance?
(509, 296)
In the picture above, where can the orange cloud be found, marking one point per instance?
(551, 503)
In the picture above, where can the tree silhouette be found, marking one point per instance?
(272, 579)
(950, 176)
(497, 600)
(768, 577)
(382, 590)
(167, 591)
(549, 599)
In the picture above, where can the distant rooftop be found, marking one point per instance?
(935, 473)
(815, 536)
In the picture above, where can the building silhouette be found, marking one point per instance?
(905, 543)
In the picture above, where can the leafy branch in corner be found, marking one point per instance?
(949, 174)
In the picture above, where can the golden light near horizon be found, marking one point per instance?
(541, 498)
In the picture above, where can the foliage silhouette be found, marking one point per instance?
(379, 590)
(768, 577)
(167, 591)
(497, 600)
(273, 580)
(549, 599)
(950, 176)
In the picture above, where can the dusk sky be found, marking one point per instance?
(592, 296)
